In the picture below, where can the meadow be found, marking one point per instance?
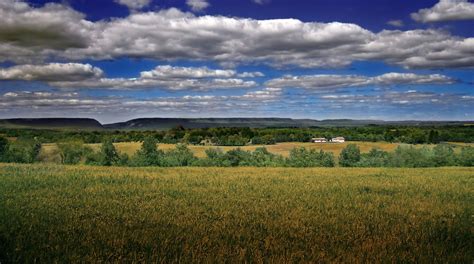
(54, 213)
(50, 152)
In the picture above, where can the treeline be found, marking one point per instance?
(26, 151)
(19, 151)
(150, 155)
(264, 136)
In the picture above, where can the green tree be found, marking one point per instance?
(108, 153)
(349, 156)
(443, 155)
(180, 156)
(24, 150)
(375, 158)
(215, 157)
(73, 152)
(149, 155)
(3, 148)
(237, 157)
(466, 157)
(302, 157)
(411, 157)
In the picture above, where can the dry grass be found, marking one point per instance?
(51, 213)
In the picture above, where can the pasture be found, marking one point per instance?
(52, 213)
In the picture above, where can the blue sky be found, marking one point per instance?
(119, 59)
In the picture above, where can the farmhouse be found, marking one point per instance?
(319, 140)
(338, 140)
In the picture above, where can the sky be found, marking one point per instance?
(115, 60)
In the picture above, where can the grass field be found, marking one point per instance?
(52, 213)
(49, 152)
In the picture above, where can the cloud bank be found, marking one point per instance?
(171, 34)
(327, 82)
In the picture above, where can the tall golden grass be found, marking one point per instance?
(52, 213)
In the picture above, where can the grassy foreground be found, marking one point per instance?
(51, 213)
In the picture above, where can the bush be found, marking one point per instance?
(4, 144)
(375, 158)
(411, 157)
(302, 157)
(73, 152)
(148, 155)
(466, 157)
(349, 156)
(261, 157)
(215, 157)
(23, 151)
(108, 154)
(443, 155)
(237, 157)
(180, 156)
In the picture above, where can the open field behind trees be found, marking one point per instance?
(49, 152)
(51, 213)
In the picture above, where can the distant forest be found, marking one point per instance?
(256, 136)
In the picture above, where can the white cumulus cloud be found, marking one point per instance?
(327, 82)
(197, 5)
(52, 72)
(446, 10)
(168, 35)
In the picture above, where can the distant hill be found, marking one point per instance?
(52, 123)
(168, 123)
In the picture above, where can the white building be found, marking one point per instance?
(338, 140)
(319, 140)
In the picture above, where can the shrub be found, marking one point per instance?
(349, 156)
(302, 157)
(375, 158)
(237, 157)
(411, 157)
(148, 155)
(108, 154)
(264, 140)
(261, 157)
(4, 144)
(23, 151)
(443, 155)
(73, 152)
(466, 157)
(215, 157)
(180, 156)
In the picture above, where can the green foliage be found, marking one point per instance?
(23, 151)
(264, 140)
(261, 157)
(215, 157)
(108, 153)
(302, 157)
(375, 158)
(73, 152)
(466, 157)
(4, 145)
(179, 156)
(240, 136)
(411, 157)
(443, 155)
(349, 156)
(236, 157)
(148, 155)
